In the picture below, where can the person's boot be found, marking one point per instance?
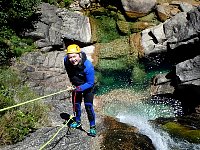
(92, 131)
(75, 125)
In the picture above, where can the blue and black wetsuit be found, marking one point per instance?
(82, 76)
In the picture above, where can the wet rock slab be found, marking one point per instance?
(119, 136)
(111, 135)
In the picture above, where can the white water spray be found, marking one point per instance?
(139, 114)
(159, 140)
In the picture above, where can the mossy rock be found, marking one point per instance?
(139, 26)
(112, 8)
(120, 16)
(138, 74)
(118, 54)
(184, 132)
(93, 25)
(115, 49)
(99, 11)
(123, 27)
(135, 44)
(113, 55)
(105, 29)
(148, 18)
(116, 64)
(134, 15)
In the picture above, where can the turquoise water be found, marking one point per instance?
(111, 80)
(138, 113)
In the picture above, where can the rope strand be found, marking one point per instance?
(71, 117)
(23, 103)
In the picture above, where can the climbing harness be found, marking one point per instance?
(74, 103)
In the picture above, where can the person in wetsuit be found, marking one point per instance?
(81, 74)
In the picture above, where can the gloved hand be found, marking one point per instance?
(78, 89)
(71, 88)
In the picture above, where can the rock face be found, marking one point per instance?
(183, 82)
(189, 71)
(168, 10)
(176, 42)
(43, 71)
(57, 24)
(174, 36)
(135, 8)
(110, 135)
(75, 26)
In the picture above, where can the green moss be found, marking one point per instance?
(151, 18)
(123, 27)
(106, 29)
(99, 12)
(120, 16)
(116, 64)
(139, 26)
(138, 74)
(181, 131)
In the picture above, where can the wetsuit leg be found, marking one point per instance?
(88, 100)
(76, 101)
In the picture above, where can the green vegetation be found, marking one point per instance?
(138, 74)
(16, 17)
(16, 123)
(106, 29)
(178, 130)
(60, 3)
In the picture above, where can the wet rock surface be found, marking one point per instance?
(111, 134)
(185, 127)
(121, 136)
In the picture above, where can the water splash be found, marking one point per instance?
(139, 113)
(173, 103)
(157, 136)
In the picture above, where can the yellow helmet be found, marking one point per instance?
(73, 48)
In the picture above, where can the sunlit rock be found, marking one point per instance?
(135, 8)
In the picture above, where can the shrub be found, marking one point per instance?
(19, 46)
(17, 122)
(15, 18)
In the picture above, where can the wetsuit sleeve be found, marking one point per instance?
(65, 62)
(89, 73)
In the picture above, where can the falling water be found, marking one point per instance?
(138, 114)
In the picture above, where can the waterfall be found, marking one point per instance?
(159, 139)
(140, 113)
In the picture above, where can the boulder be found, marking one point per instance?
(57, 24)
(135, 8)
(189, 71)
(183, 83)
(166, 11)
(84, 3)
(75, 26)
(174, 37)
